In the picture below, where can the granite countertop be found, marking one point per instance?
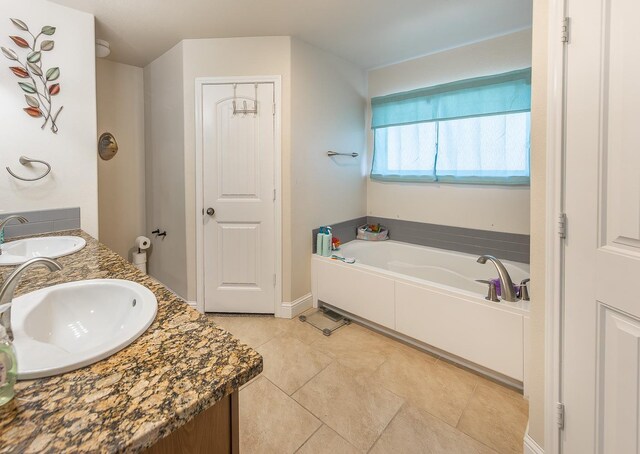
(182, 365)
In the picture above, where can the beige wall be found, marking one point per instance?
(329, 110)
(164, 169)
(328, 98)
(73, 181)
(224, 58)
(121, 180)
(170, 139)
(536, 383)
(504, 209)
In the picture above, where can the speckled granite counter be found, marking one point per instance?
(182, 365)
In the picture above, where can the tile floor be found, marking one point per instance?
(358, 391)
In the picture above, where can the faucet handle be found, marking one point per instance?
(524, 291)
(492, 294)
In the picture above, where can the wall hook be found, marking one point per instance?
(158, 233)
(245, 110)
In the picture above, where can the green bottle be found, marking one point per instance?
(8, 367)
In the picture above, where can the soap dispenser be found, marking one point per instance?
(8, 367)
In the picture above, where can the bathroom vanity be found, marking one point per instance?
(173, 390)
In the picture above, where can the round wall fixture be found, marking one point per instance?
(103, 48)
(107, 146)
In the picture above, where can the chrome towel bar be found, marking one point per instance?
(25, 161)
(333, 153)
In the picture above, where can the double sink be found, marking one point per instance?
(68, 326)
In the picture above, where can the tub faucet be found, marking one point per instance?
(10, 284)
(506, 284)
(524, 291)
(4, 222)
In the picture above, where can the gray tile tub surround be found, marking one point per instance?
(506, 246)
(346, 230)
(42, 221)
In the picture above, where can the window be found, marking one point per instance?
(471, 131)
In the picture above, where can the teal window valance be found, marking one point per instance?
(473, 131)
(482, 96)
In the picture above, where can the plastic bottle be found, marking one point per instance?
(320, 242)
(8, 367)
(326, 242)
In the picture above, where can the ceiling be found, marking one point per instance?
(370, 33)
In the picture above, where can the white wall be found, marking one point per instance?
(72, 151)
(328, 103)
(504, 209)
(164, 169)
(121, 180)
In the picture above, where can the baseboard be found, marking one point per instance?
(530, 445)
(297, 307)
(193, 304)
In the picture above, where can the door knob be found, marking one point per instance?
(211, 211)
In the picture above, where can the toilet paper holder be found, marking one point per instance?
(142, 243)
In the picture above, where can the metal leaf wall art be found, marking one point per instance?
(40, 85)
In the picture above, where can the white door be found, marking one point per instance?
(238, 194)
(601, 320)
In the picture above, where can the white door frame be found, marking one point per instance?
(554, 207)
(200, 82)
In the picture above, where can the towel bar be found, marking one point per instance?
(333, 153)
(24, 161)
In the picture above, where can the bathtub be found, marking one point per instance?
(429, 297)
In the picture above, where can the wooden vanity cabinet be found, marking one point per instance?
(214, 431)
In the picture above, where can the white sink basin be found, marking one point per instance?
(68, 326)
(19, 251)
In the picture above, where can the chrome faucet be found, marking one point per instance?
(506, 284)
(524, 291)
(4, 221)
(9, 286)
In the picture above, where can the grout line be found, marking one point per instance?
(309, 437)
(466, 406)
(287, 396)
(422, 407)
(279, 388)
(414, 404)
(377, 369)
(295, 401)
(314, 376)
(299, 403)
(438, 362)
(404, 402)
(477, 441)
(319, 350)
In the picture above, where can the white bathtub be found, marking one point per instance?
(429, 295)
